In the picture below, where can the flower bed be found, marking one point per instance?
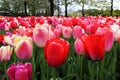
(59, 48)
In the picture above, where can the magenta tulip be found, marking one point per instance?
(20, 71)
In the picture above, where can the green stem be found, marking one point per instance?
(5, 76)
(42, 64)
(97, 70)
(34, 68)
(80, 65)
(102, 70)
(54, 74)
(91, 70)
(42, 72)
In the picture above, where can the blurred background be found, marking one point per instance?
(60, 7)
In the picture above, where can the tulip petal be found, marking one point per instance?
(11, 72)
(54, 53)
(24, 49)
(40, 36)
(95, 46)
(21, 74)
(29, 68)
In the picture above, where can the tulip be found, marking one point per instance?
(5, 53)
(108, 35)
(66, 31)
(2, 25)
(20, 71)
(67, 22)
(94, 46)
(14, 24)
(23, 47)
(56, 51)
(79, 46)
(77, 31)
(116, 31)
(1, 38)
(58, 31)
(41, 34)
(9, 39)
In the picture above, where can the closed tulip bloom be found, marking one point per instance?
(23, 47)
(40, 35)
(9, 39)
(79, 46)
(20, 71)
(5, 53)
(108, 35)
(1, 38)
(94, 46)
(77, 31)
(116, 31)
(14, 24)
(66, 32)
(56, 51)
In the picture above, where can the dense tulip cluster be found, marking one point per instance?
(58, 36)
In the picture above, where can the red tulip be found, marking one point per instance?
(1, 38)
(94, 46)
(20, 71)
(14, 24)
(108, 35)
(56, 51)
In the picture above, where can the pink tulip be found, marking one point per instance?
(20, 71)
(79, 46)
(23, 47)
(77, 31)
(5, 53)
(116, 31)
(41, 34)
(66, 31)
